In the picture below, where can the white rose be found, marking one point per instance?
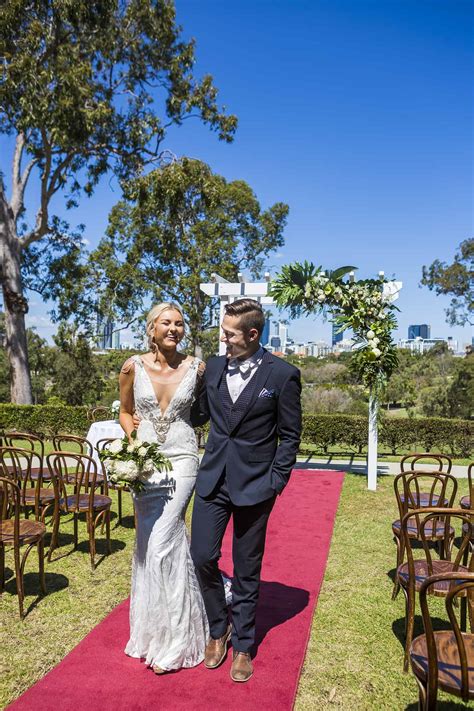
(376, 340)
(370, 335)
(142, 451)
(321, 298)
(137, 443)
(131, 448)
(126, 470)
(115, 447)
(376, 352)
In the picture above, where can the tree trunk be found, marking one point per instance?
(16, 306)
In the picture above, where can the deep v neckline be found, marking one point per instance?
(164, 413)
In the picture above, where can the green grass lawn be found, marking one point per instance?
(354, 658)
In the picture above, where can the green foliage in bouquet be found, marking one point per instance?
(131, 463)
(362, 306)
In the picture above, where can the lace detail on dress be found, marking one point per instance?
(173, 430)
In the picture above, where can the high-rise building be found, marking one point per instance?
(283, 333)
(265, 339)
(422, 330)
(275, 343)
(105, 330)
(337, 336)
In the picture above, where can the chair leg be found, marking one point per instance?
(107, 531)
(75, 515)
(396, 582)
(19, 581)
(54, 533)
(2, 567)
(119, 498)
(410, 623)
(91, 529)
(41, 565)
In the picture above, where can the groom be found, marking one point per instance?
(253, 402)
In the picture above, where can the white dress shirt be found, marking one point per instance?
(240, 372)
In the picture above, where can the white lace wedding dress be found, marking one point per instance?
(168, 623)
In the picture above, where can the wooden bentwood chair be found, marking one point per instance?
(83, 500)
(119, 488)
(33, 444)
(420, 489)
(412, 460)
(414, 572)
(16, 532)
(445, 659)
(24, 468)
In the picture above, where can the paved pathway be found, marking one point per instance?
(359, 466)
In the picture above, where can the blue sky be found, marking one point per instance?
(356, 113)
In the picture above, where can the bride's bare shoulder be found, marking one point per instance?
(129, 366)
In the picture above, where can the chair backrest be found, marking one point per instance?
(77, 469)
(427, 459)
(470, 476)
(457, 588)
(19, 464)
(428, 521)
(100, 445)
(10, 505)
(438, 489)
(73, 444)
(24, 440)
(99, 413)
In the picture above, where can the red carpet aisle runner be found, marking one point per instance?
(97, 676)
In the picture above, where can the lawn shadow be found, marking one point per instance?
(441, 706)
(127, 522)
(54, 583)
(398, 627)
(353, 466)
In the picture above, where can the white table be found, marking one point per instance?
(106, 429)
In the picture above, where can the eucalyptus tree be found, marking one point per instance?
(173, 229)
(88, 87)
(455, 280)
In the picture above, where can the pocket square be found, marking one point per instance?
(267, 393)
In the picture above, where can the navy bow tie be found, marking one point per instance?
(244, 367)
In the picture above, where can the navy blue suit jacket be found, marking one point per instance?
(259, 450)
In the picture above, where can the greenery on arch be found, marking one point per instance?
(363, 306)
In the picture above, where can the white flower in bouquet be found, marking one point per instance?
(115, 408)
(142, 451)
(115, 447)
(370, 335)
(126, 471)
(376, 352)
(131, 448)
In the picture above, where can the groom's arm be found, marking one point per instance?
(200, 413)
(289, 430)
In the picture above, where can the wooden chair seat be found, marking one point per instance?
(30, 531)
(424, 499)
(449, 667)
(45, 496)
(413, 531)
(100, 502)
(422, 572)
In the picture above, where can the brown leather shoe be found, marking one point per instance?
(216, 650)
(242, 668)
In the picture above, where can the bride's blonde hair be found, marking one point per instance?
(155, 313)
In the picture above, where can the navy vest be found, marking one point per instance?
(234, 411)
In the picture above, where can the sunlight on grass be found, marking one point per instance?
(354, 659)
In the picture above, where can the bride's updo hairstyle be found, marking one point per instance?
(155, 313)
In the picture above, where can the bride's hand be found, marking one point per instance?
(136, 420)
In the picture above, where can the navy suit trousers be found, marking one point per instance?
(211, 514)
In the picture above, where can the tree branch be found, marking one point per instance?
(19, 181)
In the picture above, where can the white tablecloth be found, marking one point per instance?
(103, 430)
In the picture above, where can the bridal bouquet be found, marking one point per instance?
(131, 462)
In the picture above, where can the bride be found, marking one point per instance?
(168, 623)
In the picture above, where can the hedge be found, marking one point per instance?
(350, 431)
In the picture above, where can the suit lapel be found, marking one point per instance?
(260, 378)
(213, 386)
